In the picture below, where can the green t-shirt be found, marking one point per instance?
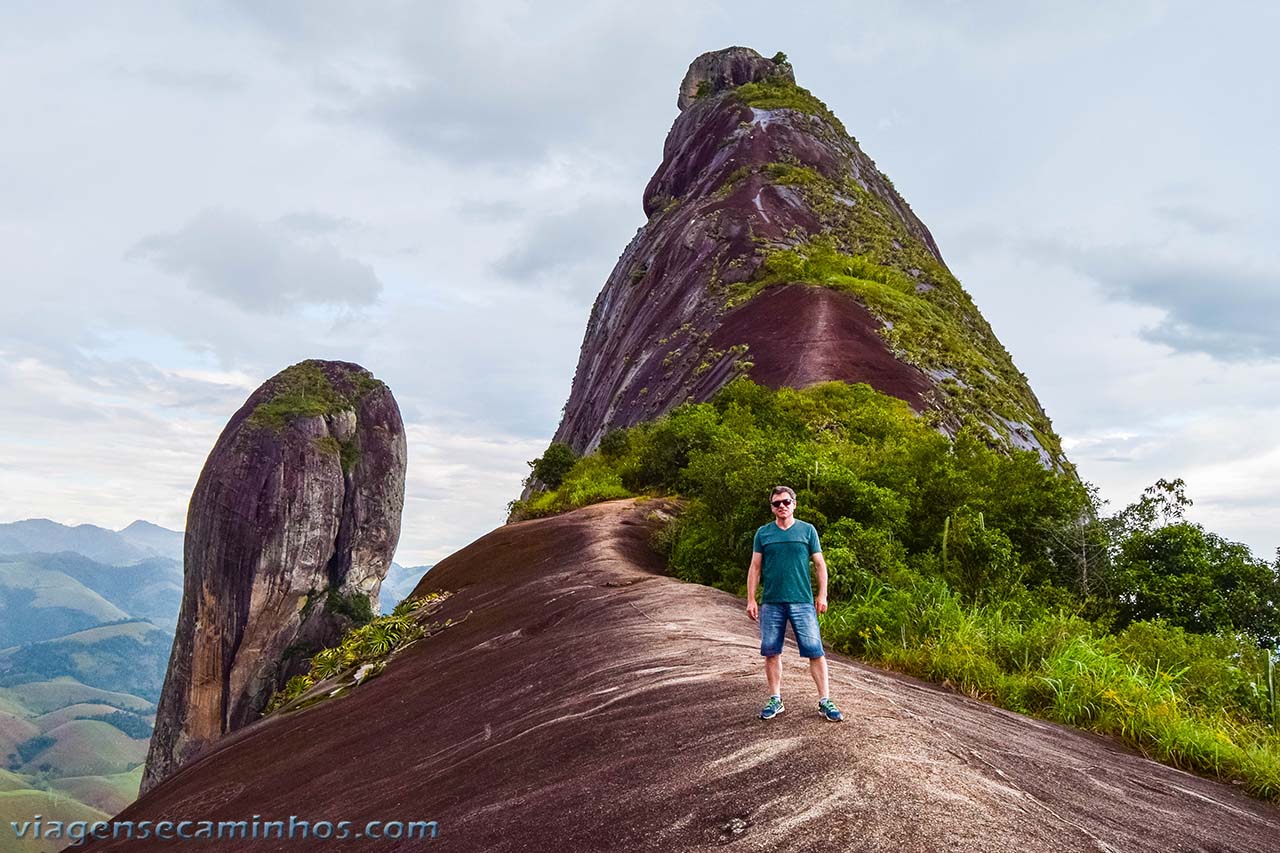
(785, 564)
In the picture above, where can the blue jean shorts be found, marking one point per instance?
(804, 625)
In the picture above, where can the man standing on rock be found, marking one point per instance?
(781, 554)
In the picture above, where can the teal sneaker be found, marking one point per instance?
(829, 711)
(773, 709)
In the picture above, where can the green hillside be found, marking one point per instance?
(108, 793)
(87, 751)
(10, 781)
(150, 589)
(40, 604)
(79, 711)
(85, 636)
(15, 729)
(42, 697)
(129, 657)
(87, 748)
(24, 805)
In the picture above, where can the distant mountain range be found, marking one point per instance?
(398, 583)
(139, 541)
(86, 623)
(147, 582)
(87, 617)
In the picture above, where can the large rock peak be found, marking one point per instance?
(718, 70)
(776, 248)
(290, 531)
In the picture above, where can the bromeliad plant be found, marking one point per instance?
(361, 654)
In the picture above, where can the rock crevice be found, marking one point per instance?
(290, 530)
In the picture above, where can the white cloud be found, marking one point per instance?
(258, 266)
(436, 192)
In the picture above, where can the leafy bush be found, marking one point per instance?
(551, 467)
(1190, 577)
(952, 560)
(355, 606)
(370, 643)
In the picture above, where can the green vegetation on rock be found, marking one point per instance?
(361, 654)
(972, 566)
(328, 445)
(550, 468)
(866, 250)
(347, 452)
(303, 390)
(355, 606)
(777, 93)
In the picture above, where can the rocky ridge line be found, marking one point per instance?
(761, 195)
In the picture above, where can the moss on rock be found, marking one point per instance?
(777, 93)
(304, 390)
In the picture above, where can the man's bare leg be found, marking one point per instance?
(818, 669)
(773, 672)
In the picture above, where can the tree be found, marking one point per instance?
(1197, 580)
(550, 468)
(1079, 548)
(1164, 502)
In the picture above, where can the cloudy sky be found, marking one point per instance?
(194, 196)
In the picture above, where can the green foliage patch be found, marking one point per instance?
(29, 749)
(303, 390)
(924, 326)
(131, 724)
(367, 646)
(355, 606)
(551, 467)
(777, 93)
(973, 566)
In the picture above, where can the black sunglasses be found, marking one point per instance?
(783, 502)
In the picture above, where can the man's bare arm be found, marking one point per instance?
(821, 563)
(753, 582)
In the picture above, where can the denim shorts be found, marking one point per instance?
(804, 625)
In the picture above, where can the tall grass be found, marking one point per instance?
(1198, 703)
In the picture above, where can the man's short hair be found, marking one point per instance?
(778, 490)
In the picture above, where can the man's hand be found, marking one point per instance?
(753, 610)
(821, 604)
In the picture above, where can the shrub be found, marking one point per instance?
(370, 643)
(996, 610)
(355, 606)
(551, 467)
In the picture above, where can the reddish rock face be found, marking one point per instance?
(581, 701)
(764, 168)
(290, 530)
